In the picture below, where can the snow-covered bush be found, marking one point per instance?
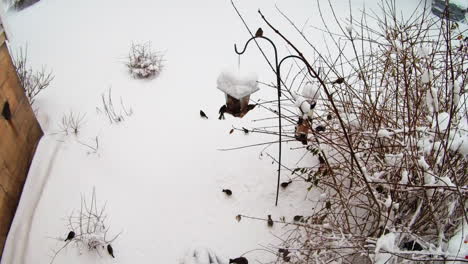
(32, 81)
(87, 230)
(391, 153)
(143, 62)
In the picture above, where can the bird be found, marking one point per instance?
(329, 117)
(70, 236)
(251, 106)
(285, 184)
(312, 105)
(6, 112)
(246, 131)
(203, 115)
(239, 260)
(259, 32)
(320, 128)
(110, 250)
(270, 221)
(338, 81)
(321, 159)
(297, 218)
(227, 192)
(222, 110)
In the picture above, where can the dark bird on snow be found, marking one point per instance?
(320, 129)
(245, 130)
(110, 250)
(329, 117)
(222, 110)
(6, 112)
(259, 32)
(240, 260)
(203, 115)
(70, 236)
(338, 81)
(270, 221)
(297, 218)
(227, 192)
(285, 184)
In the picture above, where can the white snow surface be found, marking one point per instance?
(385, 243)
(237, 85)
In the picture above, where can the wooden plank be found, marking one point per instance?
(2, 37)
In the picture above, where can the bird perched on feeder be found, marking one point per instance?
(110, 250)
(259, 32)
(203, 115)
(222, 110)
(338, 81)
(240, 260)
(270, 221)
(251, 106)
(227, 192)
(70, 236)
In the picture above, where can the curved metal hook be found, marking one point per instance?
(248, 41)
(301, 59)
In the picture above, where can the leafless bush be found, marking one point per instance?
(93, 146)
(72, 123)
(90, 230)
(114, 115)
(143, 62)
(33, 82)
(392, 152)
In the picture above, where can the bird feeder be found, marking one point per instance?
(302, 130)
(237, 90)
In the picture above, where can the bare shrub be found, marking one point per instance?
(92, 146)
(33, 82)
(115, 115)
(391, 159)
(143, 62)
(90, 229)
(72, 123)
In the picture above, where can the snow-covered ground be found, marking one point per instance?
(160, 171)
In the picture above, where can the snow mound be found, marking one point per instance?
(237, 85)
(386, 243)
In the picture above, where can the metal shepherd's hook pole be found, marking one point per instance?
(259, 35)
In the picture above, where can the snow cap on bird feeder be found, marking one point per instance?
(310, 93)
(237, 89)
